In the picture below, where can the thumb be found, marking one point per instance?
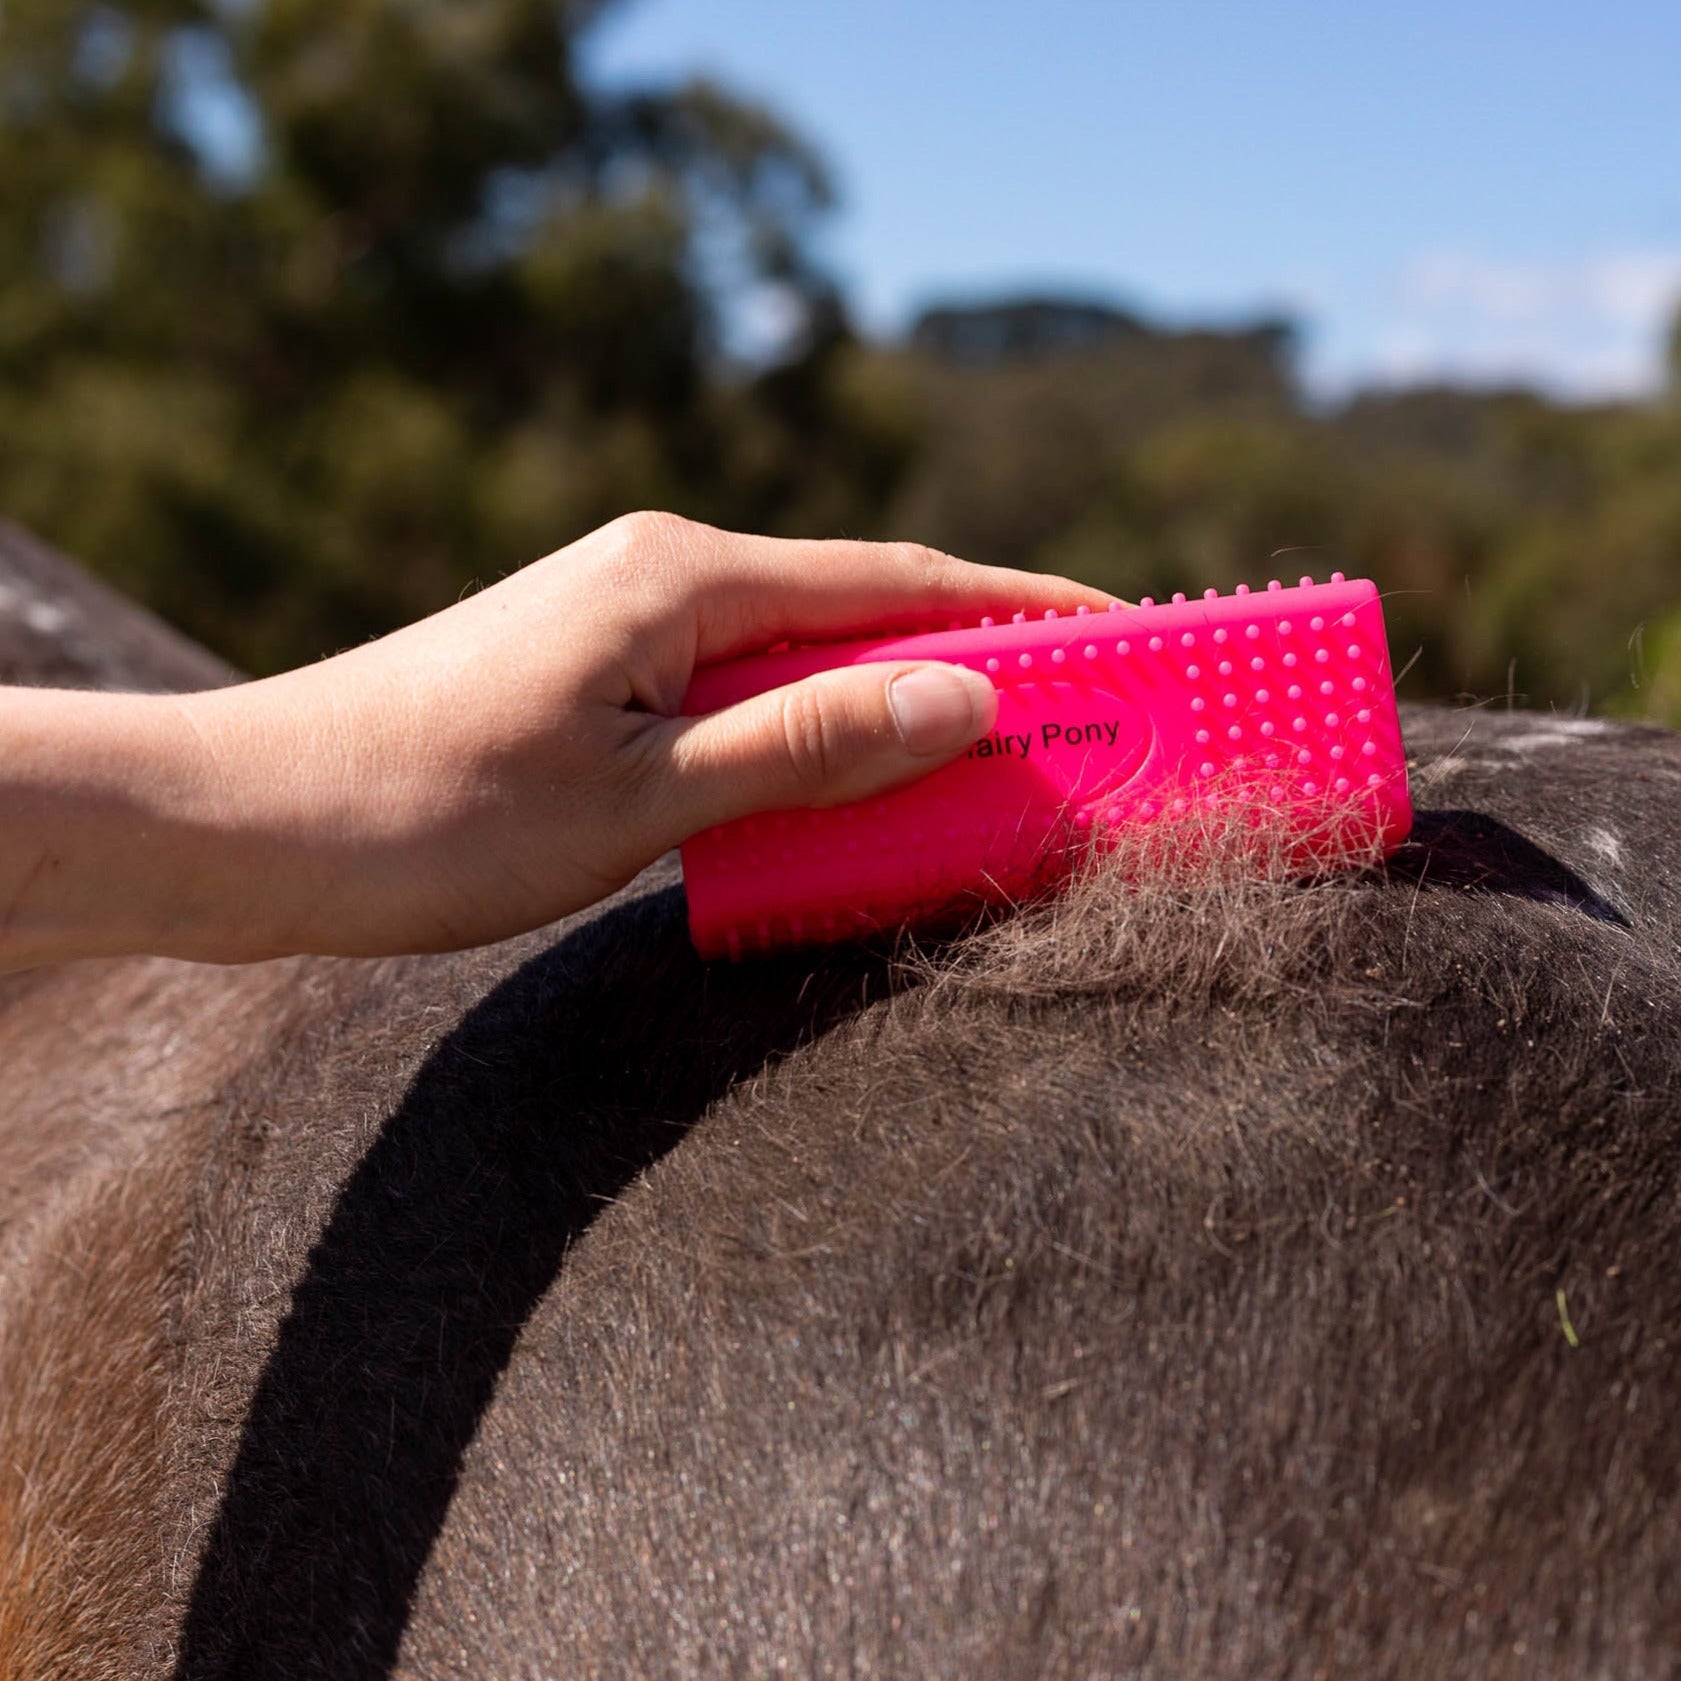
(837, 736)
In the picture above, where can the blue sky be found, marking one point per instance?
(1472, 191)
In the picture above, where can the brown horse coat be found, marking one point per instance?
(1267, 1280)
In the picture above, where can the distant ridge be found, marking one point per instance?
(1034, 326)
(1010, 329)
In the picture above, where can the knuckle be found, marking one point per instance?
(644, 545)
(930, 565)
(810, 731)
(653, 527)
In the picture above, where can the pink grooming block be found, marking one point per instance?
(1279, 700)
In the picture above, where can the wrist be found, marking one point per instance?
(108, 801)
(313, 820)
(264, 849)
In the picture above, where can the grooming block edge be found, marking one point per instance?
(1277, 700)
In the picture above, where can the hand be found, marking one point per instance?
(520, 755)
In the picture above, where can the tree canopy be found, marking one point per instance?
(312, 312)
(454, 307)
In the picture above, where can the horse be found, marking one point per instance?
(1212, 1276)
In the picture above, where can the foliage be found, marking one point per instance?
(446, 305)
(1527, 549)
(455, 309)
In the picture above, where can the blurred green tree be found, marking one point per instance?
(312, 311)
(1528, 549)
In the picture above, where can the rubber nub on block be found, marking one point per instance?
(1279, 700)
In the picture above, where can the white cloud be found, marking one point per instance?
(1637, 286)
(1449, 280)
(1593, 327)
(1628, 289)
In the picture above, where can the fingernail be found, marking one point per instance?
(939, 708)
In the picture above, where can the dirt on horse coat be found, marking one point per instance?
(1220, 1280)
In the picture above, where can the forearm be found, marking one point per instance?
(111, 835)
(306, 813)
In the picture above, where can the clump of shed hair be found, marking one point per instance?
(1226, 903)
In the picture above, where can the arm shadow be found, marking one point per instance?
(570, 1078)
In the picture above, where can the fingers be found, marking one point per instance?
(841, 735)
(749, 593)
